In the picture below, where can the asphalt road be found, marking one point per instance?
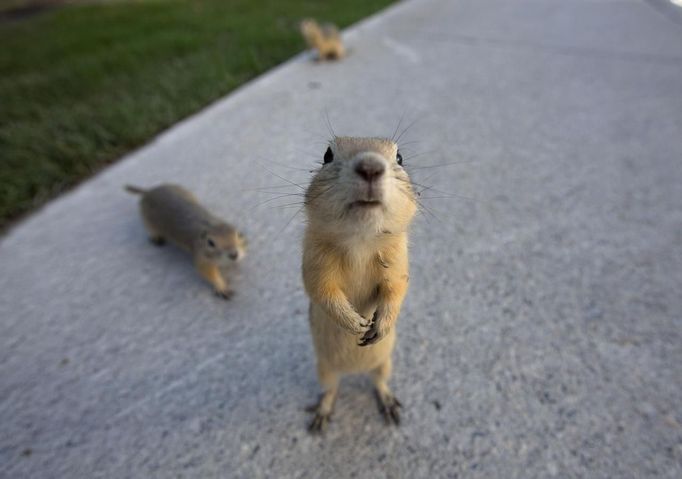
(542, 334)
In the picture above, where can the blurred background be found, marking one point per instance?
(83, 82)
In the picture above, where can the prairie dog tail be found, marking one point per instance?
(311, 31)
(135, 190)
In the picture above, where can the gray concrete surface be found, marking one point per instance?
(542, 333)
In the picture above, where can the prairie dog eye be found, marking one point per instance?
(399, 158)
(328, 155)
(210, 242)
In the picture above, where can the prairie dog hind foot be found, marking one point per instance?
(389, 407)
(325, 405)
(321, 418)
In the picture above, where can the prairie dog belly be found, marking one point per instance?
(338, 347)
(339, 350)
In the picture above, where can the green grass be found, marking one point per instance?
(83, 84)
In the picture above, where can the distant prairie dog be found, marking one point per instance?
(172, 213)
(325, 39)
(359, 207)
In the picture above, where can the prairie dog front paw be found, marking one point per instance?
(373, 334)
(225, 293)
(361, 325)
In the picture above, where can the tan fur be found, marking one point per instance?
(325, 39)
(172, 213)
(355, 265)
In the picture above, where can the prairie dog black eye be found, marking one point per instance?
(399, 158)
(328, 155)
(210, 243)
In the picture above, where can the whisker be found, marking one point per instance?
(283, 178)
(289, 205)
(445, 194)
(325, 191)
(317, 134)
(263, 188)
(307, 170)
(283, 193)
(424, 208)
(309, 153)
(329, 123)
(275, 199)
(400, 122)
(429, 177)
(417, 155)
(407, 194)
(265, 162)
(290, 220)
(411, 142)
(436, 190)
(397, 140)
(426, 167)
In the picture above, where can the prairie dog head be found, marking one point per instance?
(361, 188)
(222, 243)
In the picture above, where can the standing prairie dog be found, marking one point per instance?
(325, 39)
(359, 207)
(172, 213)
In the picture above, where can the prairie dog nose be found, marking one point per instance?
(370, 169)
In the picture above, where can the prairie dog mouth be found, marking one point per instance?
(366, 204)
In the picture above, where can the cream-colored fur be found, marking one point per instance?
(355, 264)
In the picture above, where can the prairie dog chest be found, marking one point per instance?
(361, 277)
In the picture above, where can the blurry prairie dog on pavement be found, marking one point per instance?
(171, 213)
(325, 39)
(359, 206)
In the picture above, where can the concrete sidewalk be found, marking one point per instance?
(542, 335)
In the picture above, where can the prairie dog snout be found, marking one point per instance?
(370, 166)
